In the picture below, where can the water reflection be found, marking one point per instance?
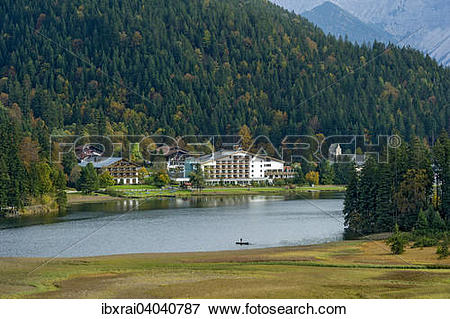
(177, 224)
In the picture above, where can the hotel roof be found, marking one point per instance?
(223, 153)
(100, 162)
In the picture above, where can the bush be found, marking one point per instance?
(424, 241)
(442, 249)
(397, 242)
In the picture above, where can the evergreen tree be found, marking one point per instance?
(197, 178)
(342, 173)
(442, 249)
(105, 179)
(397, 241)
(368, 196)
(441, 155)
(4, 183)
(69, 161)
(299, 177)
(88, 181)
(412, 196)
(384, 206)
(61, 200)
(352, 214)
(326, 173)
(421, 227)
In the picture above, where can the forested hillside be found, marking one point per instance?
(188, 67)
(192, 67)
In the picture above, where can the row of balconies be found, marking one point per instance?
(231, 162)
(123, 175)
(120, 169)
(218, 171)
(134, 173)
(228, 176)
(231, 166)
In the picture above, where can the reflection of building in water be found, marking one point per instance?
(128, 204)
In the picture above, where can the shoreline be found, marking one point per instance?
(76, 198)
(125, 193)
(142, 193)
(343, 269)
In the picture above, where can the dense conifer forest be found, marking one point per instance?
(181, 67)
(188, 67)
(411, 190)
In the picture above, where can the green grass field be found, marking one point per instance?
(147, 191)
(349, 269)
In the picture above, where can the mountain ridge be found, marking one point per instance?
(335, 20)
(423, 23)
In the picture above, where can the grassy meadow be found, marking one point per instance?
(348, 269)
(143, 191)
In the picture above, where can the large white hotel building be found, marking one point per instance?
(237, 167)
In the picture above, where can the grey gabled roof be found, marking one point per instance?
(100, 162)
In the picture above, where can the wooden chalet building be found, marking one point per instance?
(122, 171)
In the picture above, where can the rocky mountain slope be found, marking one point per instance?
(335, 20)
(422, 24)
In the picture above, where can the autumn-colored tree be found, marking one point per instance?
(105, 179)
(158, 178)
(312, 178)
(29, 151)
(142, 173)
(246, 137)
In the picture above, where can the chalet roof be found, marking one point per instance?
(100, 162)
(170, 150)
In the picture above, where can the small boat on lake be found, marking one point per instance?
(240, 242)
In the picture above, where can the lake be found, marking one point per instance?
(176, 225)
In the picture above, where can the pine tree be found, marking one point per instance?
(411, 197)
(384, 206)
(368, 195)
(397, 241)
(441, 156)
(61, 200)
(69, 161)
(88, 181)
(4, 183)
(352, 214)
(326, 173)
(421, 227)
(299, 177)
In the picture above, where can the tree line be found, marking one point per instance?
(411, 190)
(193, 67)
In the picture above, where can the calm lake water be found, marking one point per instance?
(176, 225)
